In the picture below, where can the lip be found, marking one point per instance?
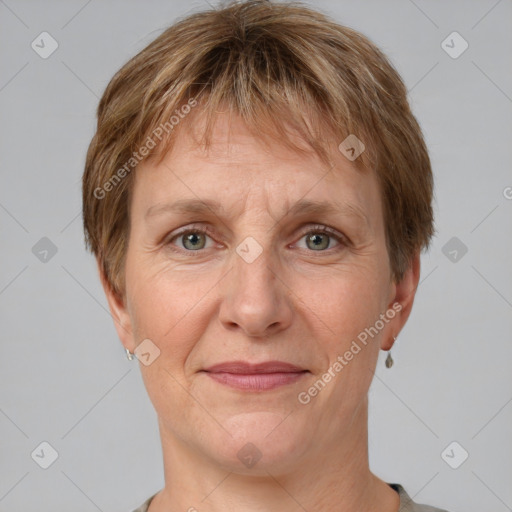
(243, 367)
(255, 377)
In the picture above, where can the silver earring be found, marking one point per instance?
(129, 355)
(389, 359)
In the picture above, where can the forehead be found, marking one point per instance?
(239, 169)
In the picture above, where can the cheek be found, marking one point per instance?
(345, 304)
(166, 307)
(169, 309)
(346, 309)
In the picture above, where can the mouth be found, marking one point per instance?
(255, 377)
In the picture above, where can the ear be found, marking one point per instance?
(403, 294)
(118, 311)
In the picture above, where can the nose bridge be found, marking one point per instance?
(254, 298)
(253, 266)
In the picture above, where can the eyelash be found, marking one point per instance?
(319, 228)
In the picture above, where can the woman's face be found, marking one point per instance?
(257, 279)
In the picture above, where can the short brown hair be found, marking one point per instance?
(274, 64)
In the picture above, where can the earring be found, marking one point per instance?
(129, 355)
(389, 360)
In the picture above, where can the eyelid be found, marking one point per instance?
(342, 239)
(326, 229)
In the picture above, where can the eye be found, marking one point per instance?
(194, 239)
(319, 238)
(191, 240)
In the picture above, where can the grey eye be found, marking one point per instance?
(317, 241)
(193, 240)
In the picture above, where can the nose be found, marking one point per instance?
(255, 299)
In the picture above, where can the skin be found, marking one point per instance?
(295, 303)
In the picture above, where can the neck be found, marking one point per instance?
(334, 477)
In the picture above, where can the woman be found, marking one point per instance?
(257, 195)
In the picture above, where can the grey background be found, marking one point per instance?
(64, 377)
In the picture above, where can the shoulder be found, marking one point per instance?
(408, 505)
(144, 507)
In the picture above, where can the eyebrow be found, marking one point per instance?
(186, 206)
(302, 207)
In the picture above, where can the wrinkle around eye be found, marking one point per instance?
(181, 235)
(348, 234)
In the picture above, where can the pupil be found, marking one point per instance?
(317, 240)
(193, 240)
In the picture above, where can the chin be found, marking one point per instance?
(261, 443)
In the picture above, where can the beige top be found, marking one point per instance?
(406, 503)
